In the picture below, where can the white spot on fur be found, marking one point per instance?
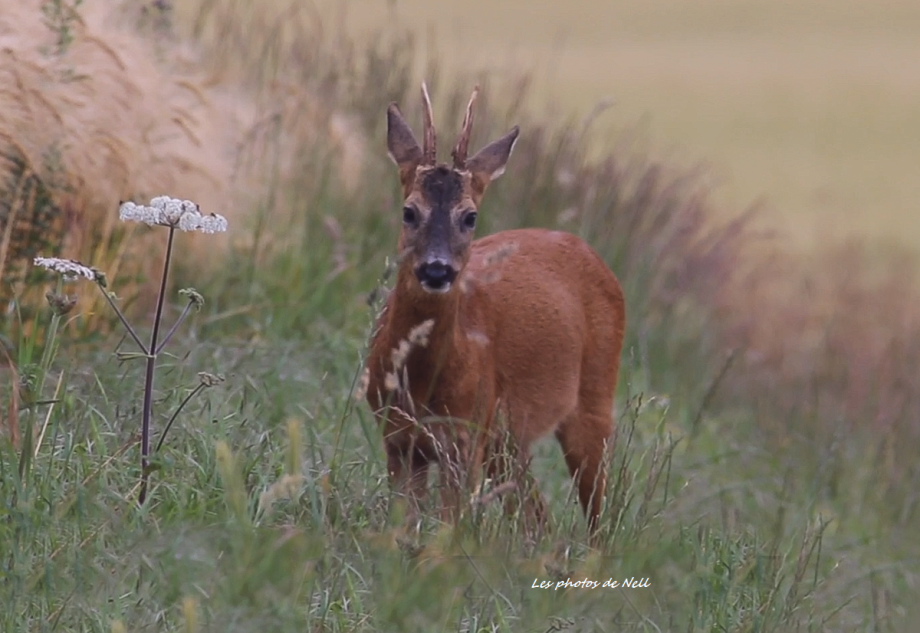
(500, 254)
(477, 337)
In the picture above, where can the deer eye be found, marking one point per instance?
(410, 216)
(469, 220)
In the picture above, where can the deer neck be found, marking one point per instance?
(411, 306)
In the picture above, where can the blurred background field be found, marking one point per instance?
(752, 186)
(814, 106)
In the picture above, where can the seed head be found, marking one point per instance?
(400, 354)
(285, 488)
(61, 304)
(193, 296)
(363, 382)
(209, 380)
(418, 336)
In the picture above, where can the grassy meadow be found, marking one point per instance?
(764, 474)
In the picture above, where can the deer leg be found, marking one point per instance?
(457, 463)
(450, 467)
(583, 437)
(534, 504)
(408, 474)
(509, 463)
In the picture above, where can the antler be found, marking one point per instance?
(463, 143)
(430, 142)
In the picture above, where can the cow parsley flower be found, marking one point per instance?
(212, 223)
(137, 213)
(181, 214)
(70, 269)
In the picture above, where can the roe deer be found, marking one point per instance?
(517, 334)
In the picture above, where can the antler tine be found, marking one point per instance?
(463, 143)
(430, 140)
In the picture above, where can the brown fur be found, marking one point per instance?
(526, 342)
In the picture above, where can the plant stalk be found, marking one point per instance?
(175, 415)
(151, 366)
(175, 327)
(124, 321)
(48, 353)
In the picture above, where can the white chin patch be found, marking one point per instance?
(436, 291)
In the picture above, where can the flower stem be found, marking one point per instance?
(48, 353)
(124, 321)
(175, 415)
(151, 366)
(175, 326)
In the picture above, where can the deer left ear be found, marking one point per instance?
(489, 163)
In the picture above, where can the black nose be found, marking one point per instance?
(435, 275)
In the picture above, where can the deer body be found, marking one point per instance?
(523, 327)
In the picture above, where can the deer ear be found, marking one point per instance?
(402, 146)
(489, 162)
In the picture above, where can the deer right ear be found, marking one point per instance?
(402, 147)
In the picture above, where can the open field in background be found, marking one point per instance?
(814, 106)
(764, 476)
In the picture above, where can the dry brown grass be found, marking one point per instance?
(119, 125)
(120, 115)
(830, 345)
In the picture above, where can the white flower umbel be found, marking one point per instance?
(69, 268)
(212, 223)
(130, 212)
(174, 213)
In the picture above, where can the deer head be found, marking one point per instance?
(441, 201)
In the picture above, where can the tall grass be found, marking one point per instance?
(113, 115)
(748, 493)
